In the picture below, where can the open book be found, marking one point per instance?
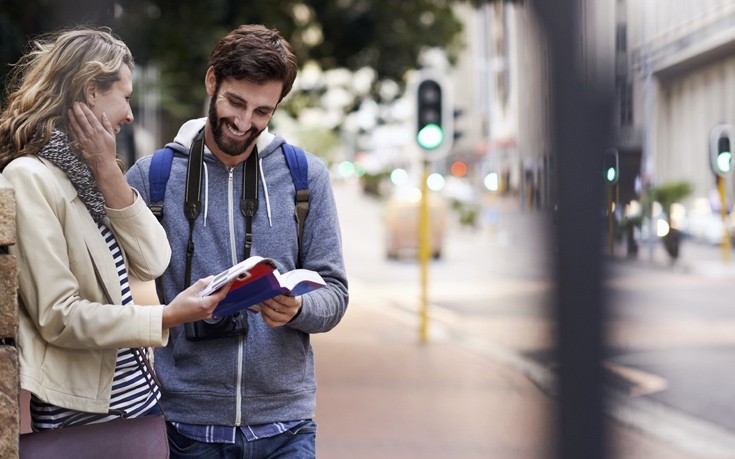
(257, 279)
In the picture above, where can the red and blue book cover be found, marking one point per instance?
(257, 279)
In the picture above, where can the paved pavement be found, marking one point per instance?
(383, 394)
(697, 258)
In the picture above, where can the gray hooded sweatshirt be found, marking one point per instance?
(268, 375)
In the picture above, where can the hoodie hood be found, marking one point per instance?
(267, 143)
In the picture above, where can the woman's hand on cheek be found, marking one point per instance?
(95, 137)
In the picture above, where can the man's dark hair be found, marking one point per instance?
(257, 54)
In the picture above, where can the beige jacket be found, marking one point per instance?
(71, 320)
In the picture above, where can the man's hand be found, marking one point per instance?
(280, 310)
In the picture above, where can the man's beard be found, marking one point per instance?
(225, 144)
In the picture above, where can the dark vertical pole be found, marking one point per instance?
(579, 118)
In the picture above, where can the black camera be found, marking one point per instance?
(214, 328)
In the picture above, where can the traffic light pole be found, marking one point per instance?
(434, 136)
(612, 177)
(610, 218)
(424, 252)
(721, 162)
(723, 211)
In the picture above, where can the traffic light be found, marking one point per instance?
(434, 132)
(721, 159)
(429, 132)
(724, 155)
(611, 167)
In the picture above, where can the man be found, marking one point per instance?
(249, 386)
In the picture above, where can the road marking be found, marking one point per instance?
(644, 383)
(691, 434)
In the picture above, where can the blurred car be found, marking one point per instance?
(402, 223)
(703, 223)
(460, 190)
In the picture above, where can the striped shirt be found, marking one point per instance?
(133, 390)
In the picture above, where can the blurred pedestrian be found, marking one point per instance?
(246, 383)
(80, 230)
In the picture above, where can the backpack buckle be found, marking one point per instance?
(157, 209)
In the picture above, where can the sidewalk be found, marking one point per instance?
(382, 394)
(695, 257)
(469, 392)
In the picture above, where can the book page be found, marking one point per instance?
(239, 270)
(300, 281)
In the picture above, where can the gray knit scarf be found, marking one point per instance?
(58, 151)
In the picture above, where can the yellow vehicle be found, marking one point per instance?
(402, 223)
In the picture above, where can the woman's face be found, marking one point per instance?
(115, 102)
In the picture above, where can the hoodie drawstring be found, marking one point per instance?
(265, 190)
(262, 180)
(206, 193)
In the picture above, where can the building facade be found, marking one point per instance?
(680, 84)
(501, 91)
(507, 104)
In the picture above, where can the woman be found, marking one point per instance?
(80, 231)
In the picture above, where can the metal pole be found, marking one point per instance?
(424, 251)
(610, 217)
(579, 117)
(648, 163)
(723, 211)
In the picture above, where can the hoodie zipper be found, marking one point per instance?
(233, 251)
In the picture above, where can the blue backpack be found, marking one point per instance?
(160, 170)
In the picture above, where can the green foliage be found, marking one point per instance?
(21, 19)
(668, 193)
(673, 191)
(298, 101)
(468, 214)
(321, 142)
(372, 183)
(632, 221)
(178, 35)
(382, 34)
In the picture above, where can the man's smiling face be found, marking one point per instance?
(239, 111)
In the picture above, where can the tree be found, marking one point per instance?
(21, 19)
(177, 35)
(667, 194)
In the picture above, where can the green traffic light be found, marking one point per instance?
(430, 136)
(611, 174)
(724, 159)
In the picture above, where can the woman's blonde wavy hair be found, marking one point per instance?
(47, 80)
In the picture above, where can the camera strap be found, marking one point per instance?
(193, 192)
(192, 195)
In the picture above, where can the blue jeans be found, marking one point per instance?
(296, 443)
